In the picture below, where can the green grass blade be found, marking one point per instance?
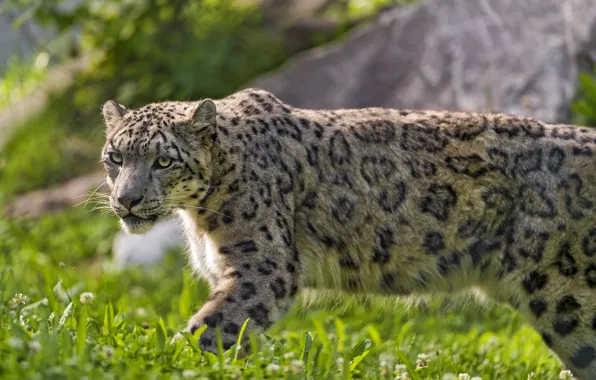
(239, 341)
(161, 336)
(82, 330)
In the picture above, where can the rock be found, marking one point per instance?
(518, 57)
(150, 247)
(76, 191)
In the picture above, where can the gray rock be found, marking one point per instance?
(518, 57)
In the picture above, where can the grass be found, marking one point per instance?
(67, 313)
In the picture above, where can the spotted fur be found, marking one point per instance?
(276, 198)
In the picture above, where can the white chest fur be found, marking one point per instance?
(201, 249)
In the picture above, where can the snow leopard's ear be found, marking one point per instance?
(112, 113)
(201, 119)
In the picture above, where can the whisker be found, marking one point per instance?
(199, 208)
(95, 191)
(96, 205)
(92, 194)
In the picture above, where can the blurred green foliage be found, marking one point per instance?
(357, 8)
(151, 50)
(583, 107)
(19, 78)
(163, 49)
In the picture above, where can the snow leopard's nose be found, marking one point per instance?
(129, 201)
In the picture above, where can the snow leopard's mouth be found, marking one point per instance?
(135, 224)
(132, 218)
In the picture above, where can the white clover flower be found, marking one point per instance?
(137, 291)
(272, 369)
(108, 351)
(140, 312)
(565, 375)
(340, 364)
(476, 378)
(19, 300)
(297, 366)
(87, 298)
(401, 372)
(463, 376)
(34, 347)
(288, 355)
(15, 343)
(177, 338)
(386, 360)
(493, 340)
(486, 347)
(189, 374)
(422, 361)
(385, 363)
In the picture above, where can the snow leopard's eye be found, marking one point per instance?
(163, 162)
(115, 158)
